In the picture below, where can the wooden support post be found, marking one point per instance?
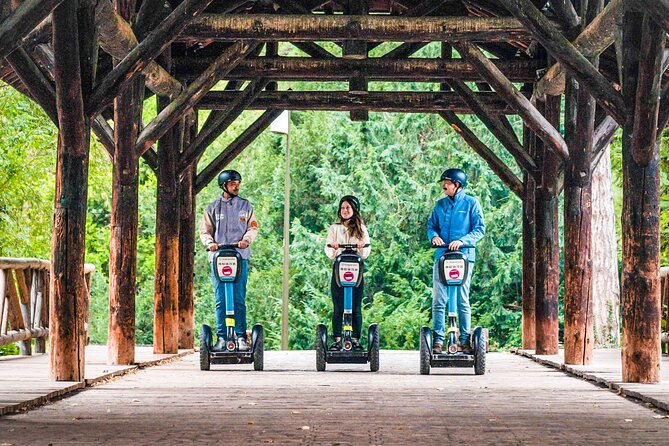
(547, 237)
(68, 288)
(563, 50)
(166, 287)
(641, 313)
(658, 9)
(171, 114)
(187, 228)
(235, 148)
(357, 49)
(124, 220)
(579, 339)
(529, 248)
(23, 20)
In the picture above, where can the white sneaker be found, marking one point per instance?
(241, 344)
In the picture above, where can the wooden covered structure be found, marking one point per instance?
(91, 63)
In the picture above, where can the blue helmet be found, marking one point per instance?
(455, 175)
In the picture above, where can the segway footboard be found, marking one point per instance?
(231, 357)
(350, 357)
(457, 360)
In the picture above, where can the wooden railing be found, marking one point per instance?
(24, 302)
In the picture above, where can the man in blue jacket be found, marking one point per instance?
(456, 220)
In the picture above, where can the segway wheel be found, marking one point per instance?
(205, 364)
(373, 345)
(425, 353)
(479, 351)
(321, 352)
(258, 336)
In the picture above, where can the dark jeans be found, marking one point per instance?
(239, 299)
(338, 303)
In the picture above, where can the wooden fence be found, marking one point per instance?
(24, 302)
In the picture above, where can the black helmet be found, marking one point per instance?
(455, 175)
(228, 175)
(352, 200)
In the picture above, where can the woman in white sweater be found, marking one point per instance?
(350, 229)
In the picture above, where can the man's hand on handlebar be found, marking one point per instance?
(455, 245)
(243, 244)
(437, 241)
(212, 247)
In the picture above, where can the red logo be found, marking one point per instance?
(454, 274)
(226, 270)
(348, 276)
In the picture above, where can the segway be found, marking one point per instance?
(348, 274)
(453, 269)
(226, 266)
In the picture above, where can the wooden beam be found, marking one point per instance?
(23, 20)
(496, 165)
(188, 98)
(647, 104)
(565, 53)
(640, 299)
(262, 27)
(339, 69)
(381, 101)
(220, 122)
(235, 148)
(564, 10)
(503, 86)
(602, 138)
(40, 88)
(505, 136)
(145, 52)
(658, 10)
(595, 38)
(66, 327)
(547, 241)
(118, 40)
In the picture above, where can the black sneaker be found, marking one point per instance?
(335, 347)
(356, 345)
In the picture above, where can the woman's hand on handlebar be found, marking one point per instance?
(360, 245)
(334, 245)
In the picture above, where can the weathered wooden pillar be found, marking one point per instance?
(579, 339)
(187, 227)
(166, 284)
(124, 218)
(529, 245)
(643, 44)
(68, 288)
(547, 238)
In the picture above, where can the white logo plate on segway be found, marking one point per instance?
(226, 268)
(454, 271)
(348, 272)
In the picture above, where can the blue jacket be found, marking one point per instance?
(457, 218)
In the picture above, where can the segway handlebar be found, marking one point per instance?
(348, 246)
(445, 246)
(230, 246)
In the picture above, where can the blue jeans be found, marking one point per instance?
(239, 297)
(440, 295)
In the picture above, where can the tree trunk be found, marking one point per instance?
(605, 280)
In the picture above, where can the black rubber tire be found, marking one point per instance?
(425, 353)
(259, 350)
(373, 347)
(479, 354)
(205, 364)
(321, 352)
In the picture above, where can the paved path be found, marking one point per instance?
(517, 402)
